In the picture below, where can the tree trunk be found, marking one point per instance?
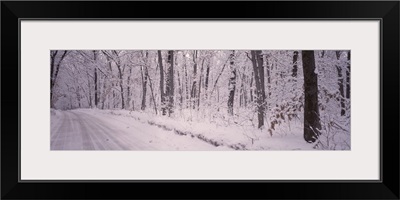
(312, 124)
(161, 82)
(260, 61)
(120, 73)
(200, 80)
(128, 101)
(242, 91)
(53, 55)
(110, 86)
(269, 69)
(193, 91)
(251, 87)
(259, 97)
(180, 90)
(104, 93)
(170, 83)
(186, 85)
(232, 83)
(89, 91)
(294, 70)
(348, 76)
(151, 89)
(340, 82)
(121, 88)
(54, 69)
(206, 81)
(144, 88)
(78, 97)
(95, 79)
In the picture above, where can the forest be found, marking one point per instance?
(239, 99)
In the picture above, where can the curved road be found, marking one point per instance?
(81, 130)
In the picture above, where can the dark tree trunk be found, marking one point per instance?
(246, 82)
(170, 83)
(232, 83)
(53, 55)
(340, 82)
(89, 91)
(311, 112)
(144, 88)
(193, 91)
(161, 82)
(348, 76)
(251, 87)
(105, 93)
(295, 56)
(95, 79)
(206, 81)
(260, 61)
(121, 87)
(259, 96)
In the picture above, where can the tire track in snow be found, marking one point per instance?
(86, 143)
(119, 137)
(60, 134)
(54, 129)
(55, 124)
(93, 137)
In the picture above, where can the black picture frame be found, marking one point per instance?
(386, 11)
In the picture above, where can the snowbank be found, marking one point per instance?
(234, 136)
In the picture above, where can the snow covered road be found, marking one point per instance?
(84, 130)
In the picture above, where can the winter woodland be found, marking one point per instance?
(200, 99)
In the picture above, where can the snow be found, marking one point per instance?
(91, 130)
(233, 137)
(131, 119)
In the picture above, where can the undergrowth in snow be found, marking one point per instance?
(234, 136)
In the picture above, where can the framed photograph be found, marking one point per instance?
(300, 98)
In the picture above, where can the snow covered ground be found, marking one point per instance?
(93, 129)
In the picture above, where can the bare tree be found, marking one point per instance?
(207, 78)
(186, 82)
(232, 82)
(170, 83)
(144, 74)
(95, 79)
(200, 80)
(54, 69)
(160, 63)
(340, 82)
(194, 85)
(128, 102)
(260, 61)
(312, 124)
(348, 76)
(259, 94)
(151, 88)
(295, 56)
